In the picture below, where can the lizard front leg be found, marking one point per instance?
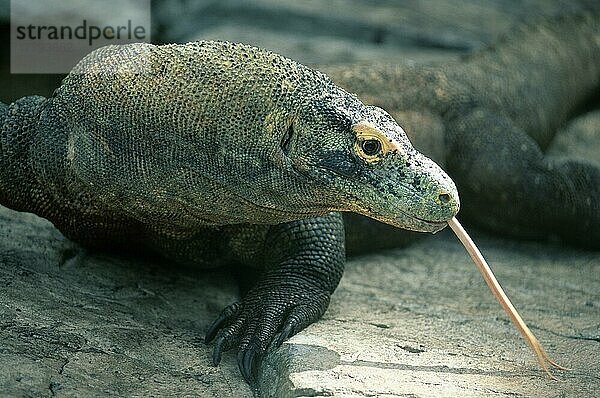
(305, 261)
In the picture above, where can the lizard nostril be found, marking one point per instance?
(444, 198)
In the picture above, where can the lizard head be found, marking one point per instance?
(363, 162)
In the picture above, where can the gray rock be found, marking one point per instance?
(421, 322)
(75, 323)
(417, 321)
(342, 31)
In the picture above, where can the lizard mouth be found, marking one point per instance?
(419, 224)
(434, 227)
(432, 223)
(404, 220)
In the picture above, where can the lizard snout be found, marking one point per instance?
(449, 204)
(432, 197)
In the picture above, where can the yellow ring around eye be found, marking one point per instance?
(365, 131)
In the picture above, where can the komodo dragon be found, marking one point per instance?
(213, 152)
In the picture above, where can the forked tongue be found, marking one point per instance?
(541, 355)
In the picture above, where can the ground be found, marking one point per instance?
(417, 322)
(421, 323)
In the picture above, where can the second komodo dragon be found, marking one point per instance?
(212, 153)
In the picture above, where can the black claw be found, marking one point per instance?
(218, 323)
(283, 336)
(215, 327)
(247, 357)
(217, 351)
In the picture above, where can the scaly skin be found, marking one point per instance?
(212, 153)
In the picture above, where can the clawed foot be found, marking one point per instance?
(264, 319)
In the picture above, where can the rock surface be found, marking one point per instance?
(421, 322)
(414, 322)
(74, 323)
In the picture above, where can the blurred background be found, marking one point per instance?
(312, 32)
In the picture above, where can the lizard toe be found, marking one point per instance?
(224, 342)
(224, 318)
(227, 338)
(263, 320)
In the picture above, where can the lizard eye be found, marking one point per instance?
(371, 144)
(371, 147)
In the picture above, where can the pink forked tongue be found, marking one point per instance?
(504, 301)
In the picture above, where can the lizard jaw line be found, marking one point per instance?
(429, 222)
